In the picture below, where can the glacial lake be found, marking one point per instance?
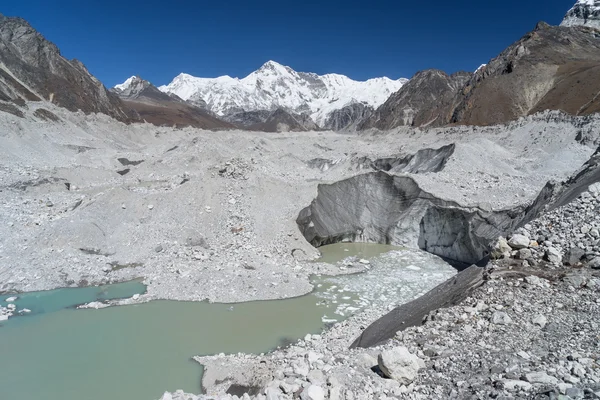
(137, 352)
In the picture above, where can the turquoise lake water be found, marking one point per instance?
(136, 352)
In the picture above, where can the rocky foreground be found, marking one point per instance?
(532, 330)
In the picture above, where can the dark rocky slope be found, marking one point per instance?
(33, 69)
(428, 99)
(281, 120)
(162, 109)
(552, 67)
(348, 118)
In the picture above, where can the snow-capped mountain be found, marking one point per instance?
(276, 86)
(584, 12)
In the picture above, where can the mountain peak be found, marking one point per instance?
(271, 65)
(583, 13)
(275, 86)
(128, 83)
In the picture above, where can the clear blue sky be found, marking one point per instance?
(158, 39)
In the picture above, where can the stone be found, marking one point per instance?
(11, 299)
(366, 360)
(501, 249)
(135, 296)
(514, 384)
(575, 393)
(158, 248)
(316, 377)
(573, 256)
(518, 241)
(272, 393)
(501, 318)
(576, 280)
(399, 364)
(594, 263)
(539, 320)
(335, 393)
(524, 254)
(313, 392)
(534, 280)
(4, 317)
(541, 377)
(553, 255)
(301, 368)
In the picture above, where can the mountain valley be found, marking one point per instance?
(319, 237)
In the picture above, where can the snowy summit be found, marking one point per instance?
(584, 12)
(277, 86)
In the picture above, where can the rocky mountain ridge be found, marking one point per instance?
(584, 12)
(33, 69)
(160, 108)
(550, 68)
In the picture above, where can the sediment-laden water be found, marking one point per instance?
(139, 351)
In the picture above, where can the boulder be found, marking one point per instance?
(573, 256)
(541, 377)
(595, 263)
(313, 392)
(501, 318)
(501, 249)
(518, 241)
(399, 364)
(553, 255)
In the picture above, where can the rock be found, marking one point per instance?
(301, 368)
(24, 311)
(541, 377)
(158, 248)
(514, 384)
(535, 281)
(11, 299)
(576, 280)
(539, 320)
(135, 296)
(4, 317)
(501, 249)
(313, 392)
(501, 318)
(316, 377)
(575, 393)
(594, 263)
(518, 241)
(150, 207)
(553, 255)
(573, 256)
(366, 360)
(524, 254)
(335, 393)
(272, 393)
(399, 364)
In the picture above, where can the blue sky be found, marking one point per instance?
(158, 39)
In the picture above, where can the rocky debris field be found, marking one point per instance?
(532, 331)
(87, 200)
(200, 215)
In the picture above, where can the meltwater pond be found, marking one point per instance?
(139, 351)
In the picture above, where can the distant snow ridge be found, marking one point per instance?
(584, 12)
(276, 86)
